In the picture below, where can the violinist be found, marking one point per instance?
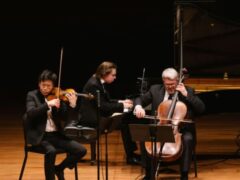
(155, 96)
(44, 116)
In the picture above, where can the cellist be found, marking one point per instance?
(155, 96)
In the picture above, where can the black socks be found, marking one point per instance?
(184, 175)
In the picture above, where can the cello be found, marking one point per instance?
(172, 111)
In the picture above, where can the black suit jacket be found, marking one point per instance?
(155, 96)
(36, 116)
(88, 108)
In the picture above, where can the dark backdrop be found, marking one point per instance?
(133, 35)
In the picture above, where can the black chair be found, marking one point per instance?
(194, 159)
(36, 149)
(194, 156)
(166, 169)
(85, 135)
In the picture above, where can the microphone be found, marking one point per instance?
(98, 98)
(142, 84)
(88, 96)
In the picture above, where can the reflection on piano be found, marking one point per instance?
(221, 101)
(217, 94)
(213, 84)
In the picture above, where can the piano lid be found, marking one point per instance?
(211, 43)
(211, 47)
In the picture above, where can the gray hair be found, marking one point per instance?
(170, 73)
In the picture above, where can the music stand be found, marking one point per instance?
(154, 133)
(109, 124)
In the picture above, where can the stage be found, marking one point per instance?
(216, 138)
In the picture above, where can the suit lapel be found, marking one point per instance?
(161, 94)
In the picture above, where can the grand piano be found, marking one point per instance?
(211, 54)
(211, 42)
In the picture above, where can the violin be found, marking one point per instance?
(61, 94)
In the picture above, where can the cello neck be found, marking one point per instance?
(174, 99)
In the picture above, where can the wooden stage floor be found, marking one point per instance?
(216, 152)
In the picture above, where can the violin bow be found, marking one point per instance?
(60, 72)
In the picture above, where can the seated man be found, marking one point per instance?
(160, 93)
(106, 74)
(44, 116)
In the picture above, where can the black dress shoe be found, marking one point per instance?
(133, 161)
(59, 174)
(184, 176)
(137, 156)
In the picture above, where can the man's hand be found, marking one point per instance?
(139, 111)
(181, 88)
(54, 103)
(127, 103)
(72, 98)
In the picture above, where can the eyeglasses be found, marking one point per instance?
(170, 85)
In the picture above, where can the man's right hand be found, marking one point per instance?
(127, 104)
(139, 111)
(54, 103)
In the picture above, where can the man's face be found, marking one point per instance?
(170, 85)
(111, 76)
(46, 87)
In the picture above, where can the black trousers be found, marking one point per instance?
(130, 145)
(188, 142)
(119, 122)
(53, 140)
(122, 122)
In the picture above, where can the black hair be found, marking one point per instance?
(48, 75)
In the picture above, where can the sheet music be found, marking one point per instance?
(116, 114)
